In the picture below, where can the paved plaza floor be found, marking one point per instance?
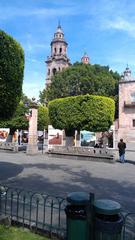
(59, 176)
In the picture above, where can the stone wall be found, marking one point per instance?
(98, 154)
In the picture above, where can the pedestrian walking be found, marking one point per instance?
(122, 147)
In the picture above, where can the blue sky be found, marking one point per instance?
(105, 29)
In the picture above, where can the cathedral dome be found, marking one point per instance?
(126, 75)
(59, 36)
(85, 59)
(59, 29)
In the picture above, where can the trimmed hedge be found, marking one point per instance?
(43, 117)
(89, 112)
(11, 75)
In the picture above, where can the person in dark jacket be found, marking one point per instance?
(122, 147)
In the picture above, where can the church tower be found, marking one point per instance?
(85, 59)
(58, 59)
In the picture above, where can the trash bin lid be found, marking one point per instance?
(78, 198)
(107, 207)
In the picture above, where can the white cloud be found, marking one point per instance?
(33, 60)
(12, 12)
(120, 24)
(34, 43)
(112, 15)
(34, 47)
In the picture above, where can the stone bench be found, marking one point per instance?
(8, 147)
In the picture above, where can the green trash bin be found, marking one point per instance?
(76, 212)
(108, 220)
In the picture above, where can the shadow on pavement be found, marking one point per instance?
(8, 170)
(120, 191)
(126, 161)
(130, 161)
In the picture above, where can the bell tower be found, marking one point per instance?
(58, 59)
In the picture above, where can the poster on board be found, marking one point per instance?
(87, 138)
(3, 134)
(55, 136)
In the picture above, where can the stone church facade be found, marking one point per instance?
(126, 123)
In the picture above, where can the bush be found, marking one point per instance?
(89, 112)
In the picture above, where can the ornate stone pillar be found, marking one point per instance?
(32, 147)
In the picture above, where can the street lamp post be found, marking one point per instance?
(32, 147)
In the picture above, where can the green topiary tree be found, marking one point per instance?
(11, 75)
(89, 112)
(43, 117)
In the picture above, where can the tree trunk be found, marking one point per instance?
(69, 141)
(10, 135)
(78, 140)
